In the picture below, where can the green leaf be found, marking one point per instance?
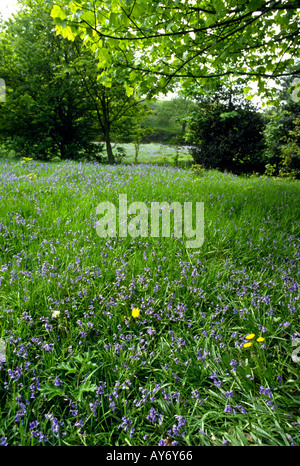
(115, 6)
(89, 17)
(255, 4)
(219, 5)
(113, 19)
(129, 90)
(57, 12)
(246, 90)
(66, 366)
(84, 388)
(2, 350)
(50, 391)
(67, 33)
(102, 54)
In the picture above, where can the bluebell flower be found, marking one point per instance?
(3, 441)
(154, 416)
(163, 443)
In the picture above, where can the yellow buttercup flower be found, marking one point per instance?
(260, 339)
(248, 344)
(135, 312)
(250, 336)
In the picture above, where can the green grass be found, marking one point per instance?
(159, 154)
(177, 374)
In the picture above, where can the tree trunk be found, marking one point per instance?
(105, 124)
(110, 155)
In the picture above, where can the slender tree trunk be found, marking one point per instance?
(105, 123)
(110, 155)
(106, 134)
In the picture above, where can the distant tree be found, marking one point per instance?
(169, 118)
(45, 113)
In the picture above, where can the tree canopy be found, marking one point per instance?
(162, 41)
(45, 113)
(55, 104)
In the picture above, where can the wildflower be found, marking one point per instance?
(56, 424)
(228, 409)
(3, 441)
(33, 425)
(265, 391)
(242, 409)
(176, 429)
(248, 344)
(250, 336)
(55, 314)
(135, 312)
(57, 382)
(154, 416)
(233, 364)
(162, 443)
(47, 347)
(126, 424)
(112, 405)
(195, 394)
(260, 339)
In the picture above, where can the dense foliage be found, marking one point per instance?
(281, 135)
(227, 136)
(156, 43)
(46, 113)
(229, 133)
(55, 105)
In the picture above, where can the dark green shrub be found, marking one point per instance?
(227, 140)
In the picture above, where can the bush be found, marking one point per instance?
(159, 136)
(227, 140)
(275, 133)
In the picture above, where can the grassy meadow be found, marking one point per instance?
(209, 360)
(159, 154)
